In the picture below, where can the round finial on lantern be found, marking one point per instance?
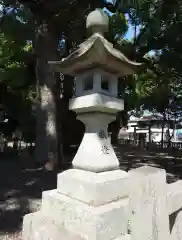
(97, 22)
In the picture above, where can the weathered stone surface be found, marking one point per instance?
(176, 232)
(125, 237)
(98, 21)
(96, 76)
(174, 196)
(64, 213)
(93, 223)
(94, 52)
(96, 153)
(38, 227)
(148, 201)
(94, 188)
(96, 102)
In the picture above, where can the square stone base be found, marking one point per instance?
(38, 227)
(86, 206)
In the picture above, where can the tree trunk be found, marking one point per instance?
(46, 44)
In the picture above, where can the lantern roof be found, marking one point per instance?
(96, 52)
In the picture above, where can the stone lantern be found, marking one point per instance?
(90, 198)
(96, 66)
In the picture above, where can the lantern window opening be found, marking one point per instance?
(104, 84)
(88, 83)
(121, 88)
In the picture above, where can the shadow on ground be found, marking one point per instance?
(171, 161)
(20, 192)
(21, 187)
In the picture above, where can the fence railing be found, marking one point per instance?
(157, 145)
(155, 207)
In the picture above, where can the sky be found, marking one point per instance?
(130, 34)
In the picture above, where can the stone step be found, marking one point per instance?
(94, 188)
(37, 226)
(94, 223)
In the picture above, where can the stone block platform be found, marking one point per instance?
(85, 205)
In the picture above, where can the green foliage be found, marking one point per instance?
(17, 67)
(145, 83)
(14, 65)
(160, 29)
(160, 84)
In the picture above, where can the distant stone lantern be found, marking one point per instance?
(97, 67)
(90, 200)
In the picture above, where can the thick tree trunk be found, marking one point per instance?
(46, 44)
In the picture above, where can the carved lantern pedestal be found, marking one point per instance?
(90, 200)
(96, 106)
